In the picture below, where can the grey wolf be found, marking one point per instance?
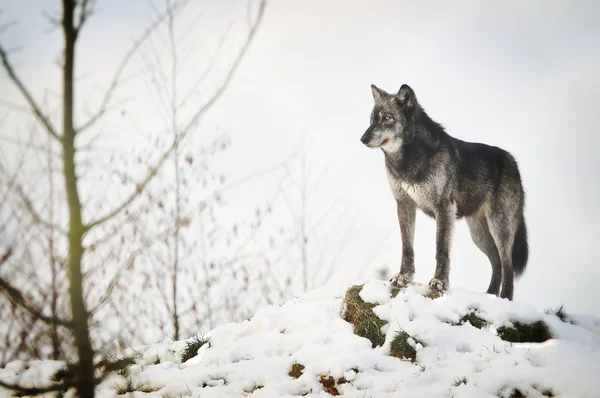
(449, 179)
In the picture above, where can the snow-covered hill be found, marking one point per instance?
(306, 348)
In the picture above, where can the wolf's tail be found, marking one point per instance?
(520, 250)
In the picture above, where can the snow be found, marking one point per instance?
(260, 352)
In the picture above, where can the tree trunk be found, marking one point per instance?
(85, 379)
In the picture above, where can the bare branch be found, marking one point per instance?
(208, 105)
(154, 170)
(86, 9)
(7, 25)
(16, 297)
(30, 208)
(43, 119)
(124, 62)
(31, 391)
(207, 70)
(11, 184)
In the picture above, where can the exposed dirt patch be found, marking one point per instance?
(329, 385)
(296, 371)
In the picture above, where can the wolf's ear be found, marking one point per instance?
(377, 92)
(406, 97)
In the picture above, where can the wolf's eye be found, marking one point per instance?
(387, 118)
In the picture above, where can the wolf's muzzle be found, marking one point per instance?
(366, 137)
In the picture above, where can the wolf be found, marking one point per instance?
(449, 179)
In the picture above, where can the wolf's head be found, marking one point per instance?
(391, 119)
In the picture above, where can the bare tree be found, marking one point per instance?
(74, 17)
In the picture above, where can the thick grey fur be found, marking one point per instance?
(448, 179)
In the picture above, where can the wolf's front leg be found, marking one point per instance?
(407, 210)
(444, 222)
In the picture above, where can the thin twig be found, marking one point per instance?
(124, 62)
(25, 92)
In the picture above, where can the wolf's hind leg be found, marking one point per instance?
(480, 233)
(503, 227)
(407, 211)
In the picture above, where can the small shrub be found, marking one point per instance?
(296, 371)
(400, 346)
(536, 332)
(192, 346)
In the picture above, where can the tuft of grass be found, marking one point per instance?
(156, 360)
(400, 346)
(356, 309)
(460, 380)
(473, 319)
(371, 329)
(432, 294)
(560, 313)
(192, 346)
(394, 291)
(516, 393)
(548, 393)
(254, 388)
(128, 387)
(361, 315)
(296, 371)
(536, 332)
(65, 373)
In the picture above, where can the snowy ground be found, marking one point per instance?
(254, 357)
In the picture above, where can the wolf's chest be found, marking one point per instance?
(422, 194)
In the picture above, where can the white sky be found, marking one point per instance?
(519, 75)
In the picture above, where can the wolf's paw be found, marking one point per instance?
(438, 285)
(401, 280)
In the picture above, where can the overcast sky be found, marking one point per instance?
(519, 75)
